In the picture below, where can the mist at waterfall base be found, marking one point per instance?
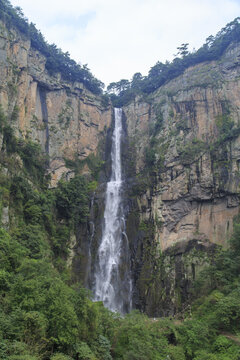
(112, 274)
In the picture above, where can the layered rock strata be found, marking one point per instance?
(185, 183)
(65, 118)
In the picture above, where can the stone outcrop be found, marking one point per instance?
(65, 118)
(191, 126)
(185, 137)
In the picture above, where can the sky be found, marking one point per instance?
(118, 38)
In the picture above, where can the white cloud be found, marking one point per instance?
(121, 37)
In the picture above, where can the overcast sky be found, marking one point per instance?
(118, 38)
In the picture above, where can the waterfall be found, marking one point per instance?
(112, 275)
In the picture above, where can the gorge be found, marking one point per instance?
(180, 157)
(137, 203)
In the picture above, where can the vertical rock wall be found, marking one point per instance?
(185, 184)
(181, 158)
(66, 119)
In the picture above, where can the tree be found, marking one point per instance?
(183, 50)
(118, 87)
(136, 81)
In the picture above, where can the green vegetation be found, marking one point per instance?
(41, 313)
(15, 113)
(94, 163)
(192, 151)
(158, 123)
(66, 115)
(155, 155)
(57, 60)
(124, 91)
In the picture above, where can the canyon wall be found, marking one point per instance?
(184, 186)
(180, 155)
(66, 119)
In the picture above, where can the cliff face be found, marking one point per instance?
(66, 119)
(191, 127)
(180, 153)
(184, 188)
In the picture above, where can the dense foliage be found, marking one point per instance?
(57, 60)
(124, 91)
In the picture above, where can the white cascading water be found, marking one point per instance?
(112, 275)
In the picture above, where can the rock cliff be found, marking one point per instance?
(65, 118)
(181, 156)
(184, 176)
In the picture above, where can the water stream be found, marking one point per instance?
(112, 275)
